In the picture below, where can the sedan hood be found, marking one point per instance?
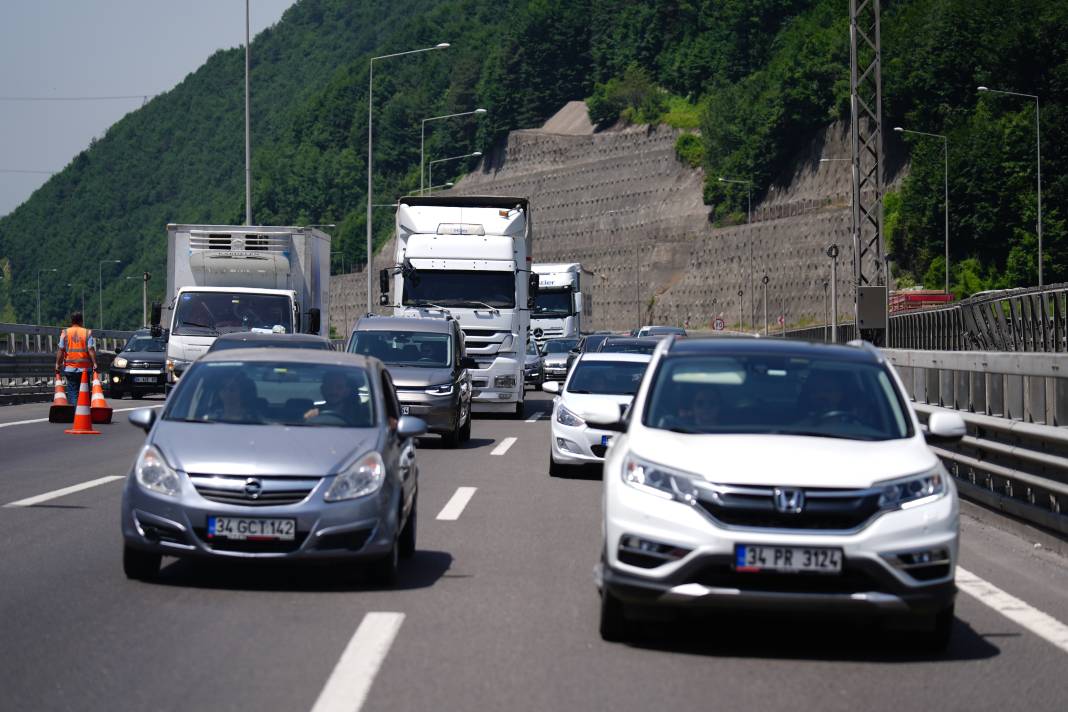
(787, 460)
(418, 377)
(260, 450)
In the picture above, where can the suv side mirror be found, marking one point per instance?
(945, 428)
(533, 280)
(314, 320)
(468, 362)
(157, 312)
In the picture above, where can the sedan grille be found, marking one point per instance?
(823, 509)
(253, 491)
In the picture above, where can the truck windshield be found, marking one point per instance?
(214, 313)
(456, 288)
(403, 348)
(552, 304)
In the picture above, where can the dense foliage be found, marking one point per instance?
(758, 77)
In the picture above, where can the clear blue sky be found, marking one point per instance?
(59, 48)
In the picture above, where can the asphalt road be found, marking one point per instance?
(497, 611)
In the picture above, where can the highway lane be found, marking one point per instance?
(499, 609)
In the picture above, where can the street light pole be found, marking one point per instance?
(1038, 153)
(100, 288)
(422, 138)
(832, 252)
(430, 166)
(370, 153)
(748, 221)
(248, 124)
(765, 282)
(945, 155)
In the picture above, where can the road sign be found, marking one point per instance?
(718, 324)
(782, 320)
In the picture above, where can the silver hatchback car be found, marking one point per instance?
(275, 454)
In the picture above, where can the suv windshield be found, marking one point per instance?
(403, 348)
(145, 343)
(552, 304)
(220, 313)
(273, 393)
(453, 288)
(617, 378)
(559, 346)
(770, 394)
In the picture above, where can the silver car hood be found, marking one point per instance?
(418, 377)
(555, 360)
(260, 450)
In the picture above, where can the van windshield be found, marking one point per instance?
(214, 313)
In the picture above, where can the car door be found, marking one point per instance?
(401, 453)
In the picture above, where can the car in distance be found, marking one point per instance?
(555, 356)
(587, 342)
(533, 367)
(628, 345)
(611, 379)
(275, 454)
(425, 357)
(653, 330)
(774, 474)
(255, 339)
(138, 369)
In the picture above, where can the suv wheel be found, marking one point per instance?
(140, 565)
(936, 638)
(407, 537)
(465, 429)
(383, 572)
(614, 628)
(518, 414)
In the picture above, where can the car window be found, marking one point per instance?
(403, 348)
(774, 394)
(628, 346)
(607, 377)
(273, 393)
(559, 346)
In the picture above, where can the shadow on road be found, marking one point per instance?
(803, 637)
(421, 571)
(579, 472)
(436, 443)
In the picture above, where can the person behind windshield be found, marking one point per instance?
(823, 395)
(235, 401)
(705, 409)
(338, 399)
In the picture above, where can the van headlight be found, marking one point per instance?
(658, 480)
(445, 389)
(912, 491)
(363, 477)
(154, 474)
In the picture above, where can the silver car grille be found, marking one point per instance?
(253, 491)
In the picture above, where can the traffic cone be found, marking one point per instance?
(99, 407)
(61, 411)
(83, 419)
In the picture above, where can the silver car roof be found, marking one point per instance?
(401, 323)
(329, 358)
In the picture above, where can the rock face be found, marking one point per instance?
(620, 202)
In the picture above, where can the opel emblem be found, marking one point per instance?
(789, 501)
(253, 488)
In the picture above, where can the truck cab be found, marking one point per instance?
(561, 301)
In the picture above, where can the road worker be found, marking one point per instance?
(76, 353)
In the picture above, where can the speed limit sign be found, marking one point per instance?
(718, 324)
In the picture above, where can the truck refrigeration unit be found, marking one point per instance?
(470, 256)
(562, 306)
(226, 278)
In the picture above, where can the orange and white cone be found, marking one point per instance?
(98, 408)
(83, 419)
(61, 411)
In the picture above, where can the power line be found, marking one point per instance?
(143, 97)
(16, 170)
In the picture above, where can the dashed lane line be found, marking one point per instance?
(503, 446)
(45, 420)
(455, 506)
(1041, 624)
(535, 418)
(54, 494)
(347, 687)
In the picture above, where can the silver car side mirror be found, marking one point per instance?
(143, 418)
(410, 427)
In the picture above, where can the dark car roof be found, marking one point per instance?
(802, 349)
(404, 323)
(631, 341)
(253, 339)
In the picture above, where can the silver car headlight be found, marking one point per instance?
(154, 474)
(120, 362)
(566, 417)
(445, 389)
(363, 477)
(912, 491)
(658, 480)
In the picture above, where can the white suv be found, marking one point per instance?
(771, 474)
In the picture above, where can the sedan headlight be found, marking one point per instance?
(566, 417)
(912, 491)
(658, 480)
(120, 362)
(360, 479)
(445, 389)
(154, 474)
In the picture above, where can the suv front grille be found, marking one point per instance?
(823, 509)
(253, 491)
(851, 580)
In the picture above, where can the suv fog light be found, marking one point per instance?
(114, 379)
(504, 381)
(647, 554)
(923, 565)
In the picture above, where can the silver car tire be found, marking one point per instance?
(140, 565)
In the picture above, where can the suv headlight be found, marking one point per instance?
(566, 417)
(445, 389)
(912, 491)
(658, 480)
(120, 362)
(154, 474)
(363, 477)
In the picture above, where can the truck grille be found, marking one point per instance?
(253, 491)
(823, 509)
(239, 242)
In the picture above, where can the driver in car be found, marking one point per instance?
(340, 401)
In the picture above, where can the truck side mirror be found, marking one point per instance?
(157, 312)
(532, 289)
(383, 299)
(383, 281)
(314, 320)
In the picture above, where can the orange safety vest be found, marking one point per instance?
(77, 351)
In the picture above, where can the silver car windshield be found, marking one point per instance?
(404, 348)
(273, 393)
(770, 394)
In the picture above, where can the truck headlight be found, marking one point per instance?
(154, 474)
(445, 389)
(363, 477)
(566, 417)
(120, 362)
(504, 381)
(658, 480)
(912, 491)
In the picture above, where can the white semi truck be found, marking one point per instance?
(226, 278)
(561, 302)
(470, 256)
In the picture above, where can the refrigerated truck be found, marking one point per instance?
(227, 278)
(562, 301)
(470, 256)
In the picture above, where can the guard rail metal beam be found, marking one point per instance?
(29, 377)
(29, 338)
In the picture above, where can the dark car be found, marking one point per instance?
(138, 370)
(252, 339)
(588, 344)
(533, 368)
(628, 345)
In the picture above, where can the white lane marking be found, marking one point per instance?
(45, 420)
(347, 687)
(455, 506)
(54, 494)
(503, 447)
(534, 418)
(1041, 624)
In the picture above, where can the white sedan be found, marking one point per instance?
(597, 379)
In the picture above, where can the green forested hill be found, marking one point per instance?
(758, 77)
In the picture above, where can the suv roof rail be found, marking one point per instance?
(866, 346)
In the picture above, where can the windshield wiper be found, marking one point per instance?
(429, 304)
(482, 304)
(198, 325)
(815, 434)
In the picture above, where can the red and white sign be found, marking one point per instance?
(782, 320)
(718, 324)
